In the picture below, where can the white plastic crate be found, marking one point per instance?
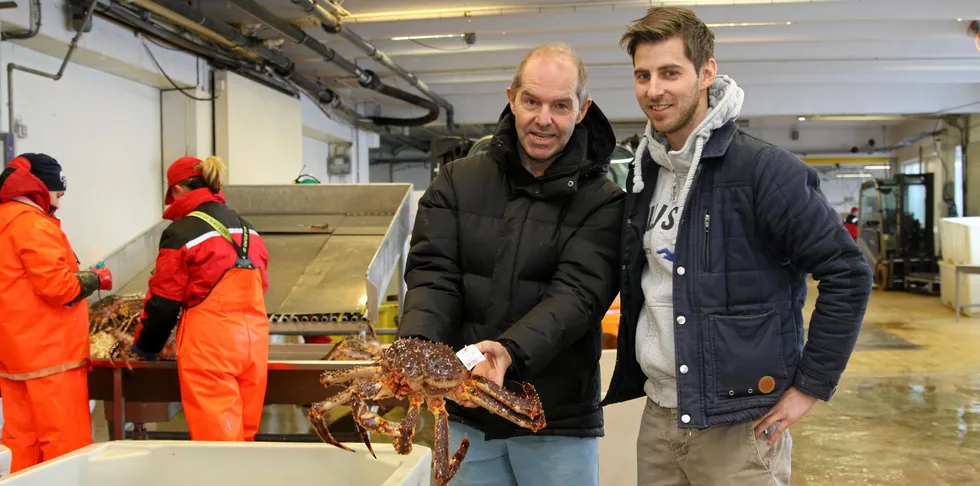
(168, 463)
(960, 240)
(969, 289)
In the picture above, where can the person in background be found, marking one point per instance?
(721, 230)
(44, 322)
(851, 223)
(516, 250)
(212, 266)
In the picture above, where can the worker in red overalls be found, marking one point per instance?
(851, 223)
(212, 266)
(44, 326)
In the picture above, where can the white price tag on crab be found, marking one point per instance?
(470, 356)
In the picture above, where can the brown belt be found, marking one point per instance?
(51, 370)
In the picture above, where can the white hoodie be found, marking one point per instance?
(655, 328)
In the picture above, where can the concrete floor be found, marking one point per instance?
(907, 411)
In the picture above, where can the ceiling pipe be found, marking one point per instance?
(332, 25)
(321, 95)
(216, 59)
(365, 78)
(295, 34)
(326, 96)
(35, 21)
(126, 17)
(230, 38)
(218, 31)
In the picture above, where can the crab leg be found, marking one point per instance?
(319, 409)
(360, 428)
(403, 443)
(529, 404)
(444, 466)
(120, 348)
(347, 375)
(402, 431)
(535, 423)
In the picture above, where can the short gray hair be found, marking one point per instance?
(561, 49)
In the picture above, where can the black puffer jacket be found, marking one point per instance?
(532, 262)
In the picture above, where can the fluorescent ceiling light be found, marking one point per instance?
(747, 24)
(569, 6)
(423, 37)
(853, 176)
(867, 117)
(877, 167)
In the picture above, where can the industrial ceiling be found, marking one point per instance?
(839, 55)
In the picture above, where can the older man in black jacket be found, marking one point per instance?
(720, 232)
(517, 249)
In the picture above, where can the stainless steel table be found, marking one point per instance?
(969, 270)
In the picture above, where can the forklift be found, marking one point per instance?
(895, 232)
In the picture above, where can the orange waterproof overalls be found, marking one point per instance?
(44, 342)
(223, 352)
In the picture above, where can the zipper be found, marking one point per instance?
(707, 243)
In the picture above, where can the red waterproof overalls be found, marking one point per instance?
(223, 352)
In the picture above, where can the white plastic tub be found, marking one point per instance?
(5, 459)
(168, 463)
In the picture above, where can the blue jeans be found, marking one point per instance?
(541, 460)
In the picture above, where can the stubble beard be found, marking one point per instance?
(686, 117)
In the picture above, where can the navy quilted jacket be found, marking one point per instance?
(755, 225)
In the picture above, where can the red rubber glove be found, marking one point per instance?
(105, 278)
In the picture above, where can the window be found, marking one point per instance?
(912, 167)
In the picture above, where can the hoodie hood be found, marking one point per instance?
(724, 105)
(587, 153)
(17, 181)
(189, 201)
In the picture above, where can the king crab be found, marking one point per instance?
(112, 322)
(422, 372)
(357, 347)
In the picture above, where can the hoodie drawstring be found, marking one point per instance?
(638, 159)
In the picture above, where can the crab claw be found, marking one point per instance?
(119, 348)
(316, 416)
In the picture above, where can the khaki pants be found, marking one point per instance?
(727, 454)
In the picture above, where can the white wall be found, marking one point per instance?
(415, 173)
(105, 132)
(315, 154)
(186, 127)
(317, 126)
(842, 193)
(259, 131)
(822, 139)
(360, 155)
(107, 47)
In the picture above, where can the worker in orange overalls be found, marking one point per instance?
(212, 267)
(44, 326)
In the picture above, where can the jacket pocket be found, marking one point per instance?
(747, 355)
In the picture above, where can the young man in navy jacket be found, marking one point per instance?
(720, 231)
